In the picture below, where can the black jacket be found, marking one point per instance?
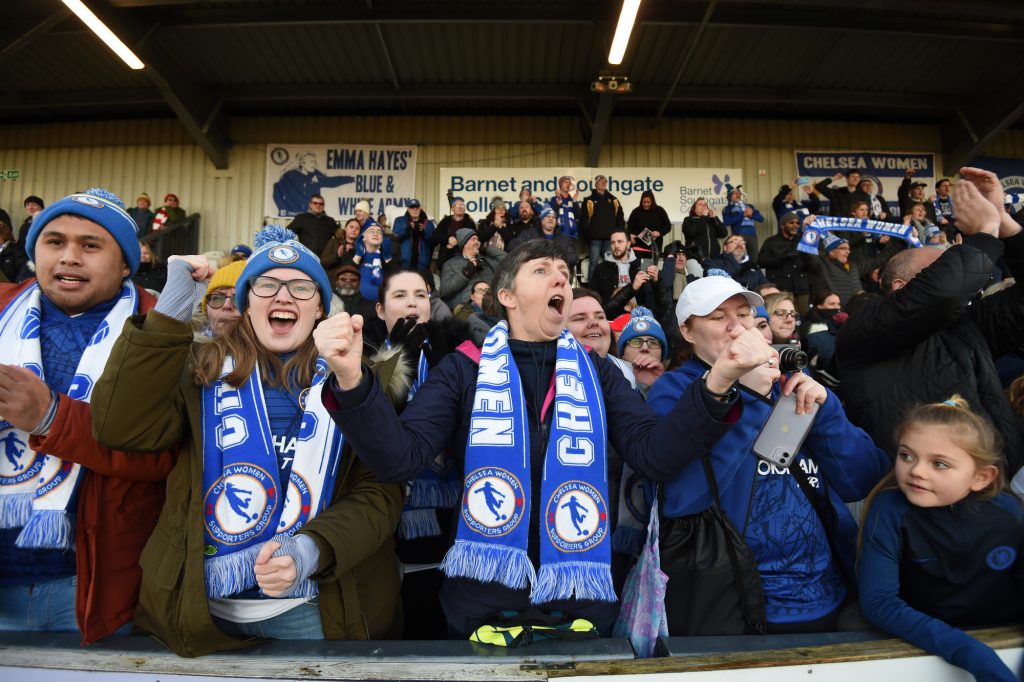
(655, 219)
(932, 339)
(601, 215)
(314, 231)
(12, 260)
(703, 233)
(651, 294)
(784, 265)
(906, 201)
(841, 199)
(812, 203)
(447, 228)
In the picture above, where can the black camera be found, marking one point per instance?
(791, 358)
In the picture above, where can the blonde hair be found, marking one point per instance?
(772, 301)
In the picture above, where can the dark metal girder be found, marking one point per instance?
(976, 125)
(691, 48)
(599, 128)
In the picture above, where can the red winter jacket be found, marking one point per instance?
(119, 499)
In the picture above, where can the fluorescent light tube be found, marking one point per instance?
(104, 33)
(623, 31)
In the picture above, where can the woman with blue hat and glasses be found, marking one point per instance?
(272, 528)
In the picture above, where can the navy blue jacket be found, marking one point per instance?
(398, 449)
(924, 573)
(846, 464)
(406, 237)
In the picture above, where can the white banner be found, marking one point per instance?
(343, 173)
(675, 189)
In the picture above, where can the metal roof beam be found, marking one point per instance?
(39, 29)
(198, 110)
(966, 136)
(691, 48)
(599, 127)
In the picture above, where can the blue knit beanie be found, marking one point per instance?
(642, 323)
(101, 207)
(830, 242)
(278, 247)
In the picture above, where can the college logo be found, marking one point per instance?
(19, 464)
(576, 518)
(492, 503)
(1001, 558)
(284, 254)
(297, 503)
(88, 200)
(240, 505)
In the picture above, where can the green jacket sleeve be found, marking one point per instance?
(137, 404)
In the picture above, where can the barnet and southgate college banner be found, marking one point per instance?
(886, 169)
(675, 189)
(343, 173)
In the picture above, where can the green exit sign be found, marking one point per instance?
(11, 174)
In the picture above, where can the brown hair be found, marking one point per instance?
(240, 342)
(1016, 395)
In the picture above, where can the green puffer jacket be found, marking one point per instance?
(146, 400)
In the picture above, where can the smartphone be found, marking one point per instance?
(784, 432)
(645, 263)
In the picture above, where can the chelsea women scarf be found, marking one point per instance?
(36, 488)
(246, 502)
(491, 544)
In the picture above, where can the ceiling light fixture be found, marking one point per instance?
(104, 33)
(622, 32)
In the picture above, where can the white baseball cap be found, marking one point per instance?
(704, 295)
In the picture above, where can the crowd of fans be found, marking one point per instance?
(446, 429)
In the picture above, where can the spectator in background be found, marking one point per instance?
(141, 214)
(702, 229)
(840, 198)
(362, 213)
(152, 273)
(382, 220)
(475, 303)
(346, 293)
(735, 261)
(566, 204)
(834, 271)
(447, 229)
(314, 228)
(785, 201)
(525, 220)
(783, 264)
(782, 317)
(930, 336)
(912, 192)
(618, 279)
(602, 215)
(415, 233)
(943, 205)
(492, 226)
(12, 256)
(240, 252)
(218, 305)
(550, 230)
(648, 216)
(741, 217)
(525, 194)
(643, 345)
(372, 261)
(473, 264)
(819, 326)
(589, 325)
(439, 310)
(878, 207)
(918, 217)
(341, 248)
(33, 205)
(168, 214)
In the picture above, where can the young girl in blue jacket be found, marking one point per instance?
(941, 541)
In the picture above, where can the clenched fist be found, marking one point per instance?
(339, 340)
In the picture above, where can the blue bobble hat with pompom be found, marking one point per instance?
(278, 247)
(101, 207)
(642, 323)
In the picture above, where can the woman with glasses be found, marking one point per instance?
(217, 311)
(782, 317)
(272, 528)
(792, 536)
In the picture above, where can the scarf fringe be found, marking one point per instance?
(588, 580)
(434, 493)
(628, 540)
(47, 529)
(232, 573)
(307, 590)
(418, 523)
(15, 510)
(503, 564)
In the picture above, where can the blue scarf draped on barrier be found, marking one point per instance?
(491, 544)
(245, 502)
(822, 224)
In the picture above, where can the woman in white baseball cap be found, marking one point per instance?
(785, 560)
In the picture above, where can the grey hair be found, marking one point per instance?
(508, 268)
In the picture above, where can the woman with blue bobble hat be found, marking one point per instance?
(271, 529)
(74, 516)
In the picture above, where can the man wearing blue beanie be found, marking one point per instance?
(59, 490)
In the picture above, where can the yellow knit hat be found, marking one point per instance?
(226, 276)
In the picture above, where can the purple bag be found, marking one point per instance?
(642, 618)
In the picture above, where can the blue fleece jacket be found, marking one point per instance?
(923, 572)
(766, 505)
(732, 215)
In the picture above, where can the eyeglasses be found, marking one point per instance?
(316, 203)
(638, 341)
(784, 314)
(482, 290)
(217, 301)
(265, 287)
